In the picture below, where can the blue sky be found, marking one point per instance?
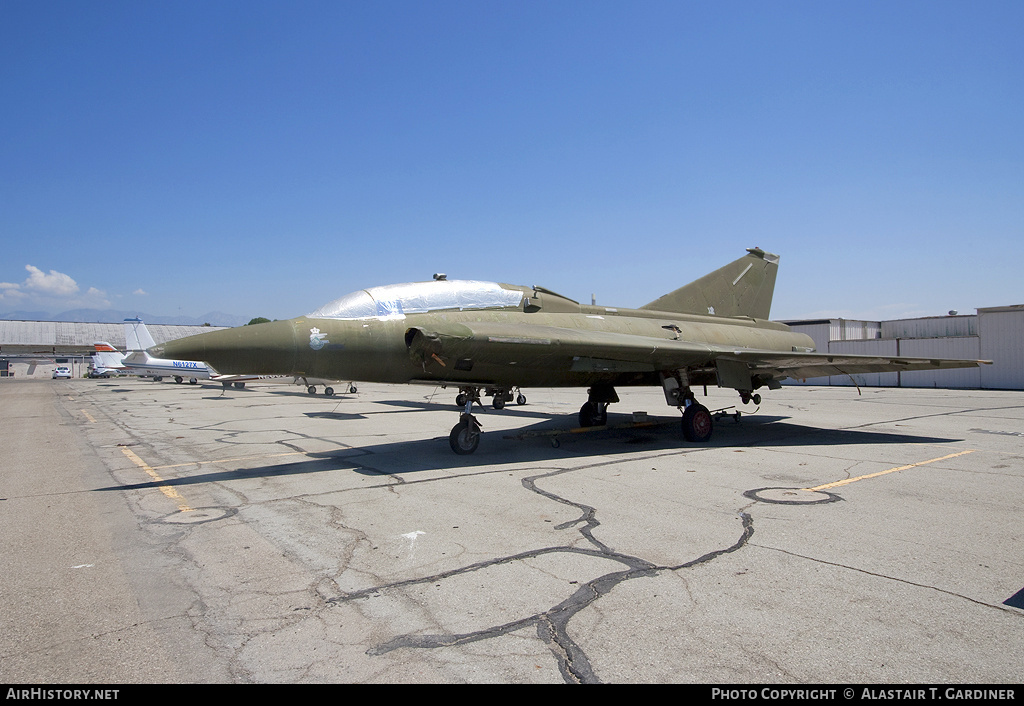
(263, 158)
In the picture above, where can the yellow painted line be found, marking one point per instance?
(88, 416)
(165, 489)
(232, 460)
(891, 470)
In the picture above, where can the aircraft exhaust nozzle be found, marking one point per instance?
(258, 349)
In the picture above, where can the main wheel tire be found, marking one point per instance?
(521, 399)
(499, 401)
(311, 389)
(590, 416)
(329, 391)
(697, 423)
(461, 399)
(463, 438)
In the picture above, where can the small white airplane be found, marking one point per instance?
(138, 361)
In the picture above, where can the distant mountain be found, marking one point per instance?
(111, 316)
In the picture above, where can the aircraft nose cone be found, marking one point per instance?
(258, 349)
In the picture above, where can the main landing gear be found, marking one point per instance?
(697, 420)
(697, 423)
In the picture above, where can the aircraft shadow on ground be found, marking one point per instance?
(315, 463)
(533, 444)
(338, 416)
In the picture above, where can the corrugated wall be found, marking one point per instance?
(877, 346)
(995, 334)
(965, 347)
(931, 327)
(1001, 330)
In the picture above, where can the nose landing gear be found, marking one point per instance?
(465, 436)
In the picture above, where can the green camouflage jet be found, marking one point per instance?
(501, 338)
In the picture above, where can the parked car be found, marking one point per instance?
(61, 372)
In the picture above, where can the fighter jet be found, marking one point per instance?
(499, 338)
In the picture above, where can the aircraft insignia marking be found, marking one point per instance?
(317, 340)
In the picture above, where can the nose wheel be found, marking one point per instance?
(465, 435)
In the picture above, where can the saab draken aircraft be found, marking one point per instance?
(498, 338)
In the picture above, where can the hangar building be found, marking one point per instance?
(994, 333)
(34, 348)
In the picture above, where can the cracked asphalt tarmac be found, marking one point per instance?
(174, 533)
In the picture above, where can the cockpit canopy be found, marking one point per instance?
(419, 297)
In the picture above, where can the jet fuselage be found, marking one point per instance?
(482, 347)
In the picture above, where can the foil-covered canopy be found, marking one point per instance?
(419, 297)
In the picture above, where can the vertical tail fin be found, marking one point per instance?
(744, 287)
(106, 356)
(136, 336)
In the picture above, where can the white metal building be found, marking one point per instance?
(34, 348)
(995, 334)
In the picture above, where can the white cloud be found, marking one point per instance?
(54, 284)
(10, 292)
(96, 298)
(51, 290)
(141, 292)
